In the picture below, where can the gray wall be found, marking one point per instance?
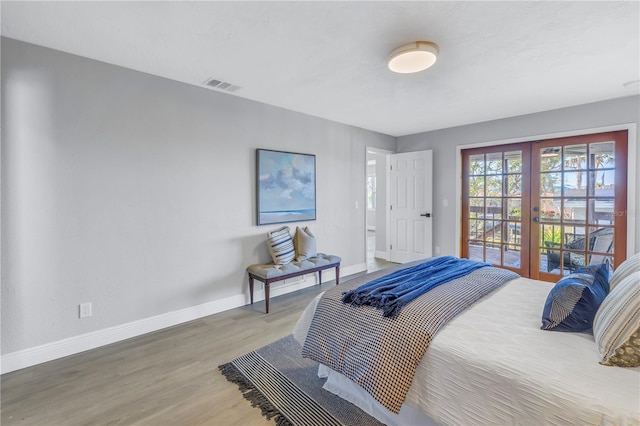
(444, 144)
(137, 193)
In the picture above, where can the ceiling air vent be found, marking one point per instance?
(221, 85)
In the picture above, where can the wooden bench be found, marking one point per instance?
(269, 273)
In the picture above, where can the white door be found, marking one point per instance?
(411, 206)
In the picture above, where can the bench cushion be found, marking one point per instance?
(270, 270)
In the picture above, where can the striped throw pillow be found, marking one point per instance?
(281, 246)
(616, 326)
(627, 267)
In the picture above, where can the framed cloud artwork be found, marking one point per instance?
(285, 187)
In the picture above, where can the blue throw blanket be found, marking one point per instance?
(392, 292)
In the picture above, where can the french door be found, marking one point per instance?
(496, 205)
(545, 208)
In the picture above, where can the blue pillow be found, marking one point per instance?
(573, 302)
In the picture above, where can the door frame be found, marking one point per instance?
(631, 172)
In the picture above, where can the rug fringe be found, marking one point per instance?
(253, 395)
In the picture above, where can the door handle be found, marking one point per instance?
(426, 215)
(536, 219)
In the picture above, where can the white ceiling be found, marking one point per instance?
(327, 59)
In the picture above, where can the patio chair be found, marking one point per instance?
(600, 241)
(571, 261)
(602, 248)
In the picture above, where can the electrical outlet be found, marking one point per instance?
(85, 310)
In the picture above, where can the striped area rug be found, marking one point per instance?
(286, 387)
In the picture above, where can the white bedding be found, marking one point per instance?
(493, 365)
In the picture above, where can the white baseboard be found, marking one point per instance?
(38, 354)
(84, 342)
(350, 270)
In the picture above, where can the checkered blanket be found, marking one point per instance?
(379, 353)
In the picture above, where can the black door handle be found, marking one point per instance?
(426, 215)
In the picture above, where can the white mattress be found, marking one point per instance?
(493, 365)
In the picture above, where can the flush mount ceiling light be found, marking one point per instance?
(413, 57)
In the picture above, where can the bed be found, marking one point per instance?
(493, 364)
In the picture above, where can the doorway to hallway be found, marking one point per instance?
(376, 203)
(374, 263)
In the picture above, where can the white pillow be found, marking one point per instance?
(616, 326)
(281, 246)
(627, 267)
(305, 244)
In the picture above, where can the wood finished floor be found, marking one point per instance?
(169, 377)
